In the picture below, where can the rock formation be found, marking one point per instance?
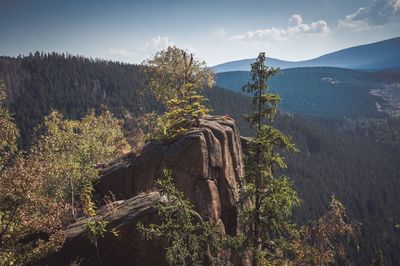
(206, 164)
(127, 248)
(207, 167)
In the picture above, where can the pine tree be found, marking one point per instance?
(269, 200)
(176, 79)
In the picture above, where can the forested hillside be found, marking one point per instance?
(72, 85)
(324, 91)
(359, 163)
(357, 160)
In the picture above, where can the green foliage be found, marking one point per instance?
(276, 195)
(69, 151)
(96, 230)
(272, 199)
(137, 128)
(266, 219)
(24, 210)
(357, 163)
(172, 70)
(176, 79)
(264, 103)
(39, 83)
(323, 242)
(268, 201)
(26, 213)
(35, 187)
(8, 130)
(181, 115)
(357, 160)
(187, 238)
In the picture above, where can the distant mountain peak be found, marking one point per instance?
(379, 55)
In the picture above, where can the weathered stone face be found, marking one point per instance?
(207, 167)
(128, 248)
(206, 164)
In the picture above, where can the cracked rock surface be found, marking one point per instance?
(125, 248)
(207, 167)
(206, 163)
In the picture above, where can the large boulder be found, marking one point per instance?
(125, 248)
(207, 167)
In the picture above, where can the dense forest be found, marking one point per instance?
(356, 159)
(322, 91)
(72, 85)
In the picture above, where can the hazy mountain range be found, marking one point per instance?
(375, 56)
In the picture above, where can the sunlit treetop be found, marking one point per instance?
(171, 70)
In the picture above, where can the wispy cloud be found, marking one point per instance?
(162, 42)
(157, 43)
(219, 33)
(395, 4)
(353, 22)
(296, 27)
(376, 13)
(151, 47)
(120, 54)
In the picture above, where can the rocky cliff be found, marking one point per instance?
(207, 167)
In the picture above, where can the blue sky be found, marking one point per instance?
(216, 31)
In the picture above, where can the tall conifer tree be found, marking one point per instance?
(269, 199)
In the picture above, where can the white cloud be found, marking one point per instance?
(395, 4)
(355, 22)
(375, 13)
(296, 27)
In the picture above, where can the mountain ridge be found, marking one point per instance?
(380, 55)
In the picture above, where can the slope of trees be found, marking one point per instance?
(363, 174)
(358, 160)
(72, 85)
(39, 187)
(320, 91)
